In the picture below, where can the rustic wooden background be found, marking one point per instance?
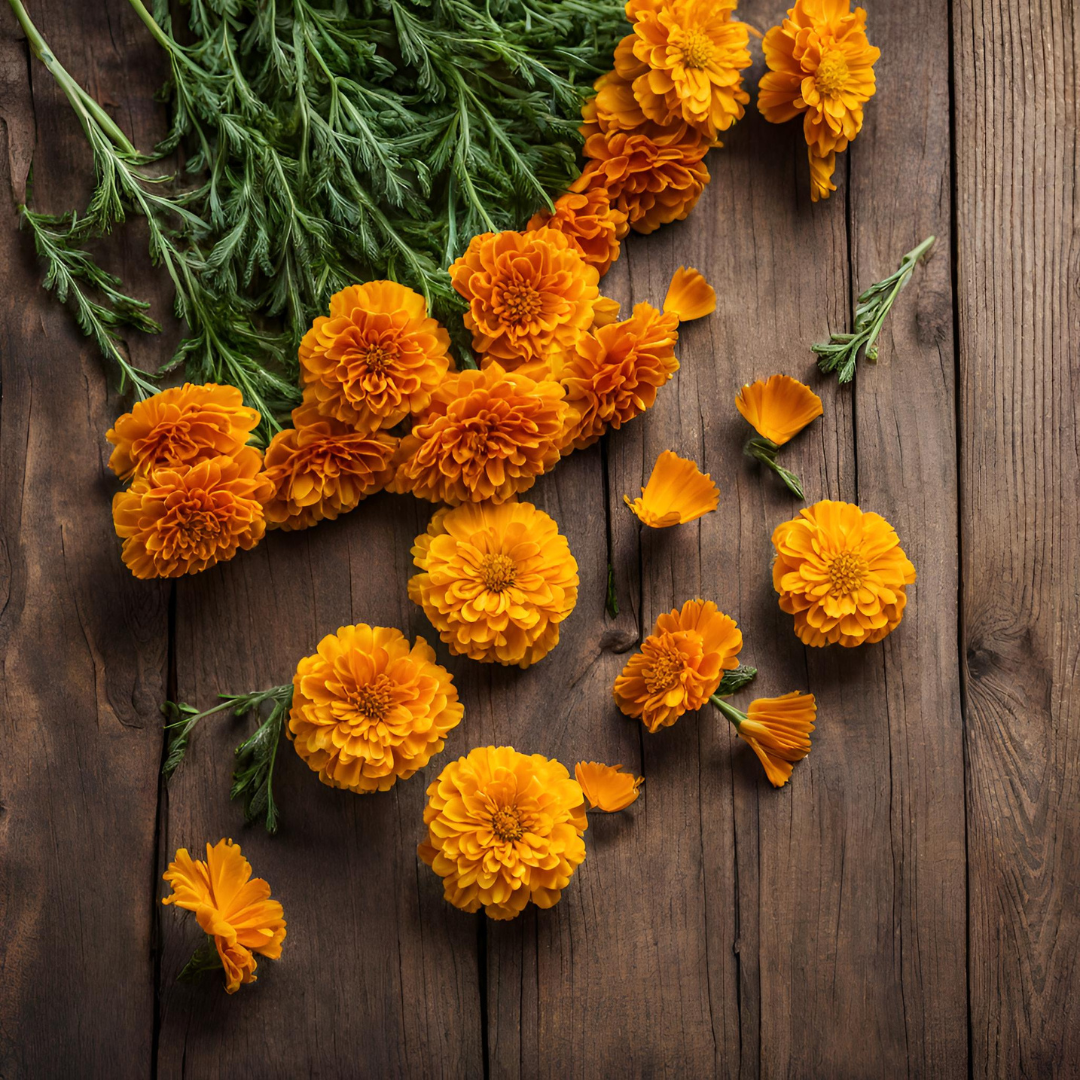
(907, 906)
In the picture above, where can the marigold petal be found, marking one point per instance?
(689, 295)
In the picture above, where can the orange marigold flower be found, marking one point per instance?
(614, 372)
(185, 519)
(606, 787)
(614, 108)
(487, 435)
(530, 294)
(821, 65)
(684, 61)
(370, 709)
(777, 729)
(841, 573)
(180, 426)
(495, 581)
(321, 468)
(680, 664)
(234, 908)
(504, 829)
(376, 359)
(593, 225)
(677, 492)
(779, 407)
(689, 295)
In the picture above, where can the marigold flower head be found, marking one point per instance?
(529, 294)
(614, 372)
(183, 425)
(778, 731)
(680, 664)
(779, 407)
(677, 492)
(184, 519)
(689, 295)
(231, 906)
(370, 709)
(841, 573)
(591, 223)
(376, 359)
(321, 468)
(606, 787)
(821, 65)
(504, 829)
(685, 61)
(487, 435)
(496, 581)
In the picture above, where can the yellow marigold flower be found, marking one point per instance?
(321, 468)
(231, 906)
(689, 295)
(184, 519)
(370, 709)
(180, 426)
(495, 581)
(685, 60)
(777, 729)
(504, 829)
(653, 174)
(676, 493)
(487, 435)
(592, 224)
(529, 294)
(376, 359)
(821, 65)
(606, 787)
(841, 573)
(614, 372)
(779, 407)
(680, 664)
(614, 108)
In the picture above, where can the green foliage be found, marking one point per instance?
(734, 680)
(203, 960)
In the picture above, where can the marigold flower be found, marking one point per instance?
(614, 373)
(487, 435)
(376, 359)
(183, 425)
(777, 729)
(677, 492)
(504, 829)
(231, 906)
(606, 787)
(779, 407)
(689, 295)
(841, 573)
(370, 709)
(588, 219)
(184, 519)
(496, 581)
(529, 293)
(821, 65)
(321, 468)
(684, 61)
(680, 664)
(614, 108)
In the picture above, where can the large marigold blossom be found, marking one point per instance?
(614, 373)
(487, 435)
(495, 581)
(680, 664)
(185, 519)
(841, 573)
(370, 709)
(231, 906)
(376, 358)
(684, 62)
(183, 425)
(504, 829)
(593, 225)
(321, 468)
(530, 294)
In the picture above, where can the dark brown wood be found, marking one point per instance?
(1016, 91)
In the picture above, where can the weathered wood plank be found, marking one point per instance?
(1016, 90)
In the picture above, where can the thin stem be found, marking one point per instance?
(735, 716)
(765, 450)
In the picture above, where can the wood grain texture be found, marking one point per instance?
(1016, 91)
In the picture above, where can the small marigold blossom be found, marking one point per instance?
(689, 295)
(779, 407)
(593, 225)
(606, 787)
(777, 730)
(677, 492)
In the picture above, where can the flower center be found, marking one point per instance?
(665, 670)
(377, 358)
(698, 50)
(506, 824)
(832, 73)
(373, 700)
(498, 572)
(846, 573)
(520, 302)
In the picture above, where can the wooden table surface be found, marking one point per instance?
(908, 905)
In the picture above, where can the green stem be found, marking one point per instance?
(735, 716)
(764, 450)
